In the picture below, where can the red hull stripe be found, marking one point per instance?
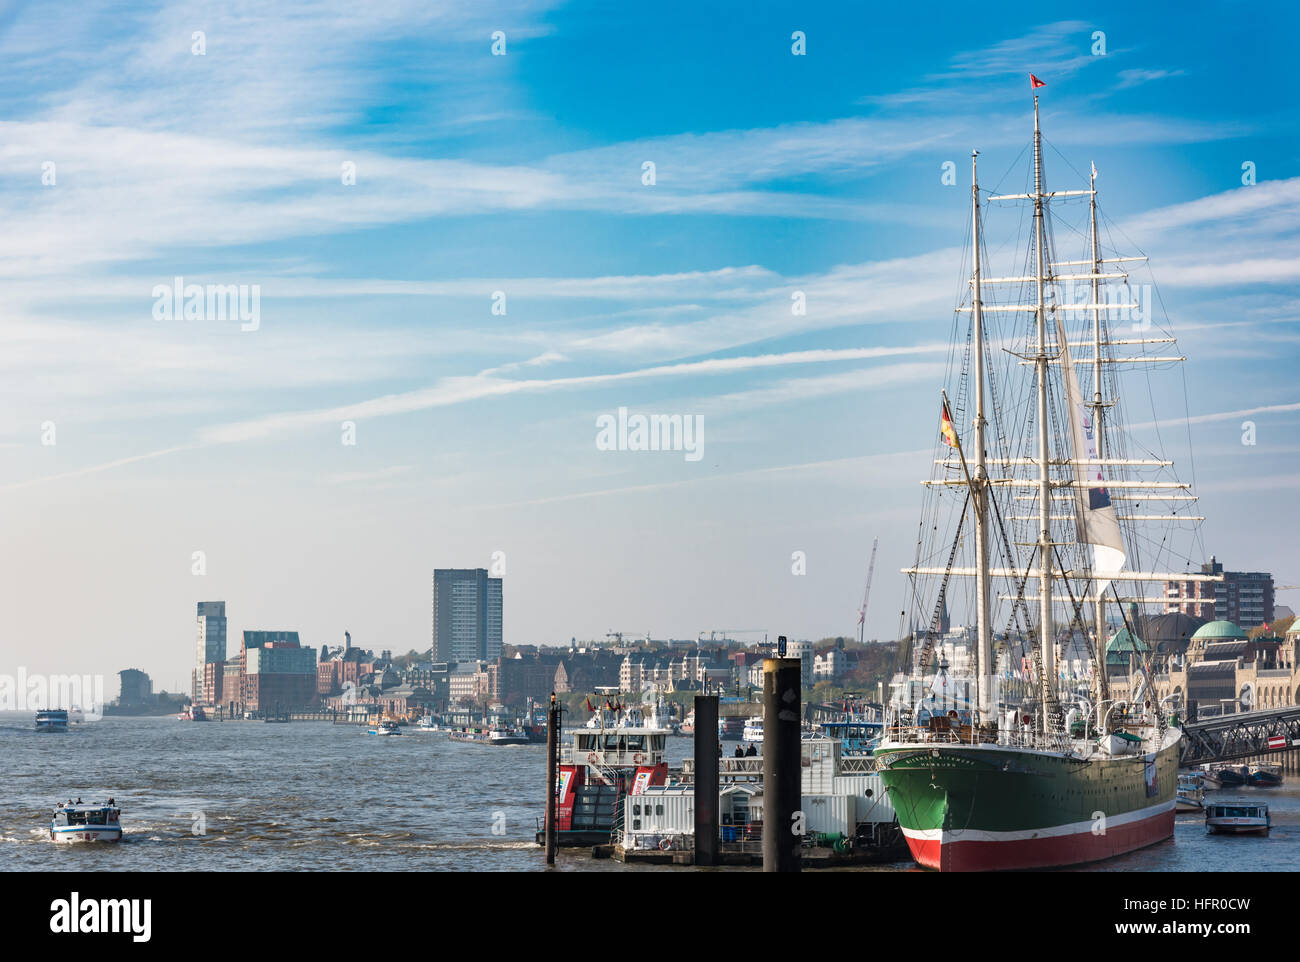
(951, 854)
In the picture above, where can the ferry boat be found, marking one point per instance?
(1237, 819)
(386, 728)
(426, 724)
(1019, 785)
(1265, 774)
(52, 720)
(508, 736)
(622, 755)
(194, 713)
(753, 733)
(93, 822)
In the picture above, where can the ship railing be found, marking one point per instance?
(603, 759)
(730, 766)
(857, 765)
(1007, 738)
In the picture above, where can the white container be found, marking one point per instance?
(829, 813)
(868, 808)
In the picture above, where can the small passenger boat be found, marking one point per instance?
(93, 822)
(1237, 819)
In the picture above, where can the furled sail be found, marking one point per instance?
(1095, 518)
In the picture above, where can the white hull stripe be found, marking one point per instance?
(1051, 831)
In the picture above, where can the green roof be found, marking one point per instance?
(1219, 629)
(1124, 641)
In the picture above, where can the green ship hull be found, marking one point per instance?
(990, 807)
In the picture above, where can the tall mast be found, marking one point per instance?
(979, 492)
(1048, 680)
(1098, 406)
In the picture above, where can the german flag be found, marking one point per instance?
(945, 427)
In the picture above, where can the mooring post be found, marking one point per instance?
(553, 722)
(706, 779)
(781, 762)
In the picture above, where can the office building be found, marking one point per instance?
(210, 650)
(466, 615)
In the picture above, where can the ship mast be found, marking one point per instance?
(1041, 360)
(980, 487)
(1098, 407)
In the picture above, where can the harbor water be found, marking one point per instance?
(251, 796)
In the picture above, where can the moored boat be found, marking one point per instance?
(1065, 772)
(1237, 819)
(82, 822)
(622, 755)
(1210, 779)
(1191, 797)
(1231, 776)
(1265, 775)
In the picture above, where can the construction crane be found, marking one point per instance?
(724, 632)
(866, 592)
(616, 637)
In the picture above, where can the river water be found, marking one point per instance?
(216, 796)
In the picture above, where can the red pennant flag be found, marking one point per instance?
(1035, 82)
(589, 708)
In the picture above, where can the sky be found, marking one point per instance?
(461, 262)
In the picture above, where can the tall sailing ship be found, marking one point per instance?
(1042, 503)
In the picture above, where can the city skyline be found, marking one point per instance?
(377, 410)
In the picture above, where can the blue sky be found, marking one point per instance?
(523, 174)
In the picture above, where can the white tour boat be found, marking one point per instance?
(1237, 819)
(93, 822)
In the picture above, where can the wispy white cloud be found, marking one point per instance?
(1134, 77)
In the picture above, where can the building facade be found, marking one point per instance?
(136, 688)
(1223, 670)
(279, 674)
(1242, 597)
(210, 649)
(466, 615)
(803, 650)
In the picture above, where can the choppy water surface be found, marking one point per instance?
(309, 795)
